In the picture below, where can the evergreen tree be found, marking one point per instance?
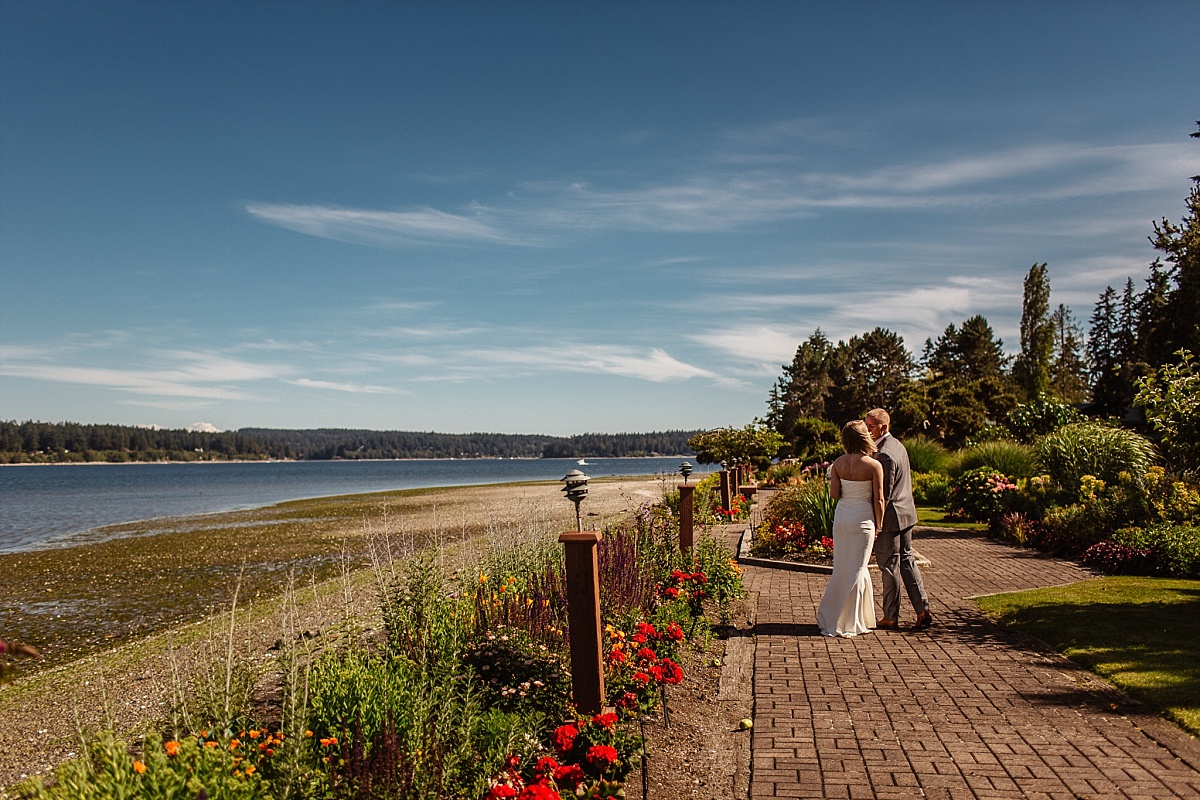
(1180, 244)
(1068, 370)
(1103, 354)
(1032, 367)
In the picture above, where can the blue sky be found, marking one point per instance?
(552, 217)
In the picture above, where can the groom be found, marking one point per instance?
(893, 543)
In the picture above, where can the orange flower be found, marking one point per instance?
(253, 734)
(210, 744)
(139, 767)
(332, 740)
(250, 770)
(172, 748)
(233, 744)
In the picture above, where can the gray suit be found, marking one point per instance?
(893, 543)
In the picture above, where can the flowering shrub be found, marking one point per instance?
(1171, 550)
(591, 757)
(980, 494)
(518, 675)
(639, 665)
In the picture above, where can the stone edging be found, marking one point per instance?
(744, 557)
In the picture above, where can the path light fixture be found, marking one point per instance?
(576, 489)
(685, 469)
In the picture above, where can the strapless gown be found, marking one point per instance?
(848, 606)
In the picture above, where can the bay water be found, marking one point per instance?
(50, 505)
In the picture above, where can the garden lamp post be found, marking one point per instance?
(576, 489)
(685, 469)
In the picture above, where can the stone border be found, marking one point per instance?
(744, 557)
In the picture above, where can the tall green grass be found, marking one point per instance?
(1014, 459)
(1087, 448)
(926, 455)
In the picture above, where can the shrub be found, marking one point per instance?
(782, 474)
(1071, 530)
(1117, 559)
(808, 503)
(930, 488)
(925, 455)
(1004, 455)
(980, 494)
(1173, 550)
(1088, 448)
(1171, 499)
(1171, 399)
(1029, 421)
(1013, 526)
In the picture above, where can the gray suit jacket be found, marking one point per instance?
(899, 510)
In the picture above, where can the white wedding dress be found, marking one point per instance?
(848, 606)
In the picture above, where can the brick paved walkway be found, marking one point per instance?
(964, 710)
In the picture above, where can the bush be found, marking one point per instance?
(930, 489)
(1071, 530)
(1003, 455)
(808, 503)
(980, 494)
(1088, 448)
(1172, 550)
(1171, 399)
(1029, 421)
(925, 455)
(782, 474)
(1114, 558)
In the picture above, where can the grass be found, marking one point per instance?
(938, 518)
(1141, 634)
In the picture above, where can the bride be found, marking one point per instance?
(856, 482)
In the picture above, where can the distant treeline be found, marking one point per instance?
(69, 441)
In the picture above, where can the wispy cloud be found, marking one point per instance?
(369, 226)
(353, 388)
(201, 375)
(718, 194)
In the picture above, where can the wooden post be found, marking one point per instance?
(686, 517)
(583, 615)
(726, 500)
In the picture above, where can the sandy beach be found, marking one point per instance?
(123, 622)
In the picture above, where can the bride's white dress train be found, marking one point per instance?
(848, 606)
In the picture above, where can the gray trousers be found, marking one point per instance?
(894, 555)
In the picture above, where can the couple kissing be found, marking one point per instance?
(872, 484)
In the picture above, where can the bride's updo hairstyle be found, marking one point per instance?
(856, 438)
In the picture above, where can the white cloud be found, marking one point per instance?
(381, 227)
(353, 388)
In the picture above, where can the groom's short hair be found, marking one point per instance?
(881, 416)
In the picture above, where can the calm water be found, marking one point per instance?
(43, 506)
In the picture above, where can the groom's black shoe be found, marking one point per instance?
(925, 620)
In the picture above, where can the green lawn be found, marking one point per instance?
(1141, 634)
(936, 517)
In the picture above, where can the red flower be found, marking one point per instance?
(641, 677)
(671, 592)
(569, 776)
(627, 700)
(672, 673)
(602, 756)
(538, 792)
(656, 672)
(638, 638)
(674, 631)
(564, 738)
(647, 655)
(648, 630)
(605, 720)
(546, 766)
(616, 657)
(499, 791)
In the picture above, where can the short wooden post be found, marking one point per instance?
(726, 500)
(687, 526)
(583, 615)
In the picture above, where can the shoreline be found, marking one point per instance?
(325, 460)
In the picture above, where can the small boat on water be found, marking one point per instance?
(582, 462)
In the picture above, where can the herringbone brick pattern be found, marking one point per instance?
(963, 710)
